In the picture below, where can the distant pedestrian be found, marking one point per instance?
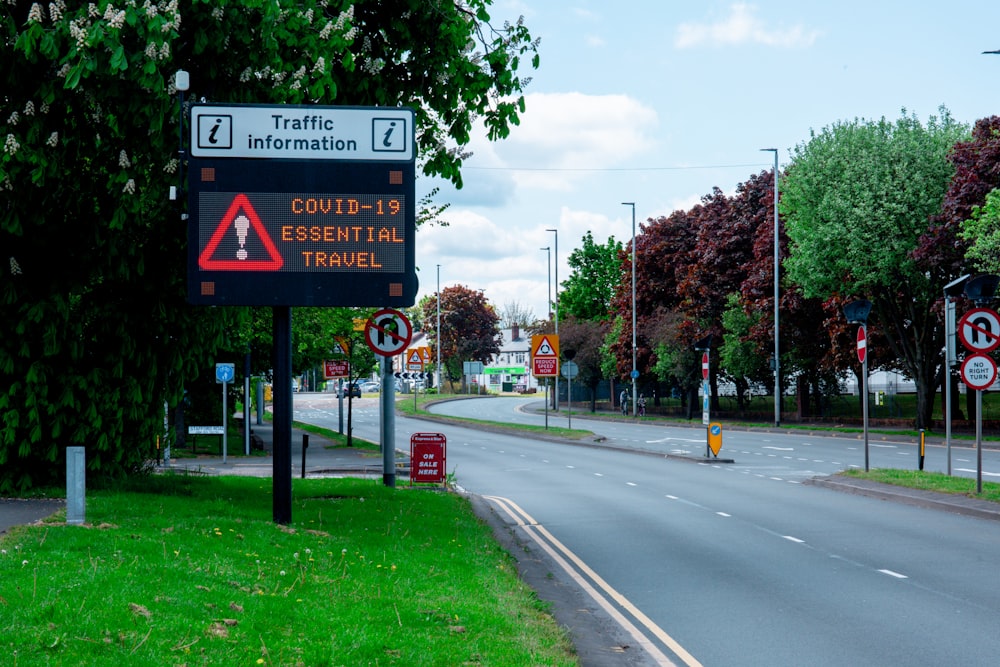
(642, 405)
(623, 401)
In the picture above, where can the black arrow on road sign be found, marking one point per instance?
(388, 326)
(982, 325)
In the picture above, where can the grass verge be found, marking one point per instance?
(404, 405)
(178, 570)
(929, 481)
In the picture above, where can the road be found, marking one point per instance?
(739, 564)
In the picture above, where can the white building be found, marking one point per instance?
(511, 368)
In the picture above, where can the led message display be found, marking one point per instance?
(266, 232)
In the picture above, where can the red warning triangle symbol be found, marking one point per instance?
(240, 203)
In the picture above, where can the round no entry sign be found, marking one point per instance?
(862, 344)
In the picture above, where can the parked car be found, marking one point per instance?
(370, 387)
(352, 389)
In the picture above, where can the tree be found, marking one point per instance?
(855, 200)
(514, 313)
(585, 338)
(95, 294)
(469, 328)
(942, 248)
(596, 269)
(664, 249)
(982, 230)
(941, 251)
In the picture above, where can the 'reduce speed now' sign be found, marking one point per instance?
(301, 206)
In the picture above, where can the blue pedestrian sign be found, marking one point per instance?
(225, 373)
(635, 374)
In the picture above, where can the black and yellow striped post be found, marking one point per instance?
(922, 442)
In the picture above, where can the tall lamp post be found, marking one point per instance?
(437, 381)
(952, 291)
(777, 267)
(548, 307)
(555, 394)
(635, 347)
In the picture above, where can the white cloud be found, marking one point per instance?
(742, 27)
(573, 132)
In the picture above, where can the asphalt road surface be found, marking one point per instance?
(735, 564)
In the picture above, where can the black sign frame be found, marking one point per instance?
(351, 287)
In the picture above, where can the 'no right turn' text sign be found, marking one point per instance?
(979, 371)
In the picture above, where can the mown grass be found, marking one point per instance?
(177, 570)
(404, 405)
(929, 481)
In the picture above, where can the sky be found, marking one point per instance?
(657, 102)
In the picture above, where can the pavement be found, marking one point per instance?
(323, 458)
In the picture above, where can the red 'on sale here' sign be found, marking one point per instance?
(428, 456)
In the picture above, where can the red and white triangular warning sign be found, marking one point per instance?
(239, 218)
(545, 348)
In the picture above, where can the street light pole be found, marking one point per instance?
(635, 347)
(437, 381)
(777, 275)
(548, 293)
(555, 396)
(548, 307)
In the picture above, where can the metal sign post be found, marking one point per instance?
(979, 331)
(387, 333)
(224, 374)
(569, 371)
(863, 358)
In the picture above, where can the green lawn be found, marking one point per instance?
(177, 570)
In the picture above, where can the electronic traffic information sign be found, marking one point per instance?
(331, 227)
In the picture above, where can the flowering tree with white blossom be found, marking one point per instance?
(94, 331)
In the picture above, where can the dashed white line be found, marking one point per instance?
(897, 575)
(631, 484)
(793, 539)
(724, 514)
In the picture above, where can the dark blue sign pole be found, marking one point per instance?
(388, 398)
(281, 475)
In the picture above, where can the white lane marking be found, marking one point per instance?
(631, 484)
(985, 473)
(671, 497)
(571, 467)
(724, 514)
(894, 574)
(598, 474)
(780, 449)
(793, 539)
(884, 446)
(670, 438)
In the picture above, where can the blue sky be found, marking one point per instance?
(658, 101)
